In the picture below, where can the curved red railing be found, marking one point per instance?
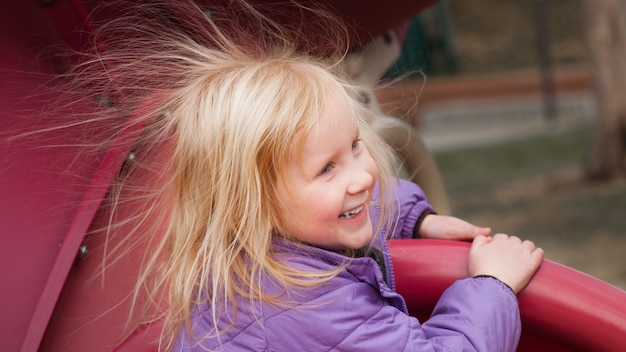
(562, 309)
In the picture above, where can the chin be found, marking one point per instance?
(361, 242)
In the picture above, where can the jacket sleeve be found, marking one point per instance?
(409, 207)
(472, 315)
(480, 314)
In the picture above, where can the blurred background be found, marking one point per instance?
(521, 104)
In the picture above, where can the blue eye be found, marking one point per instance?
(326, 169)
(355, 143)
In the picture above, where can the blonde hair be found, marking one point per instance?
(226, 102)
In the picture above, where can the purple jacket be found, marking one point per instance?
(358, 311)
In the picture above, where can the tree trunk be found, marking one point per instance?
(606, 35)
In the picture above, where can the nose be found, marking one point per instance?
(360, 178)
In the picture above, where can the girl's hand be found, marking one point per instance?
(449, 228)
(506, 258)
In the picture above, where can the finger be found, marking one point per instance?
(472, 231)
(483, 231)
(501, 236)
(515, 239)
(530, 245)
(537, 254)
(481, 240)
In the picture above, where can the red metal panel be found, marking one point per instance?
(50, 188)
(95, 305)
(36, 192)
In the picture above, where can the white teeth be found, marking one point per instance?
(351, 213)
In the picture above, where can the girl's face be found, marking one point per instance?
(327, 192)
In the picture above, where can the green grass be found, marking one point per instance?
(474, 169)
(477, 181)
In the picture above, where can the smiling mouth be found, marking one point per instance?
(350, 214)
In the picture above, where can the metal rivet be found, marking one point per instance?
(82, 252)
(127, 163)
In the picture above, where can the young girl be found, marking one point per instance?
(280, 196)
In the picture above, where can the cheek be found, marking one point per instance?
(283, 206)
(371, 166)
(321, 210)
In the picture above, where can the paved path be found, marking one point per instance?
(462, 122)
(453, 112)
